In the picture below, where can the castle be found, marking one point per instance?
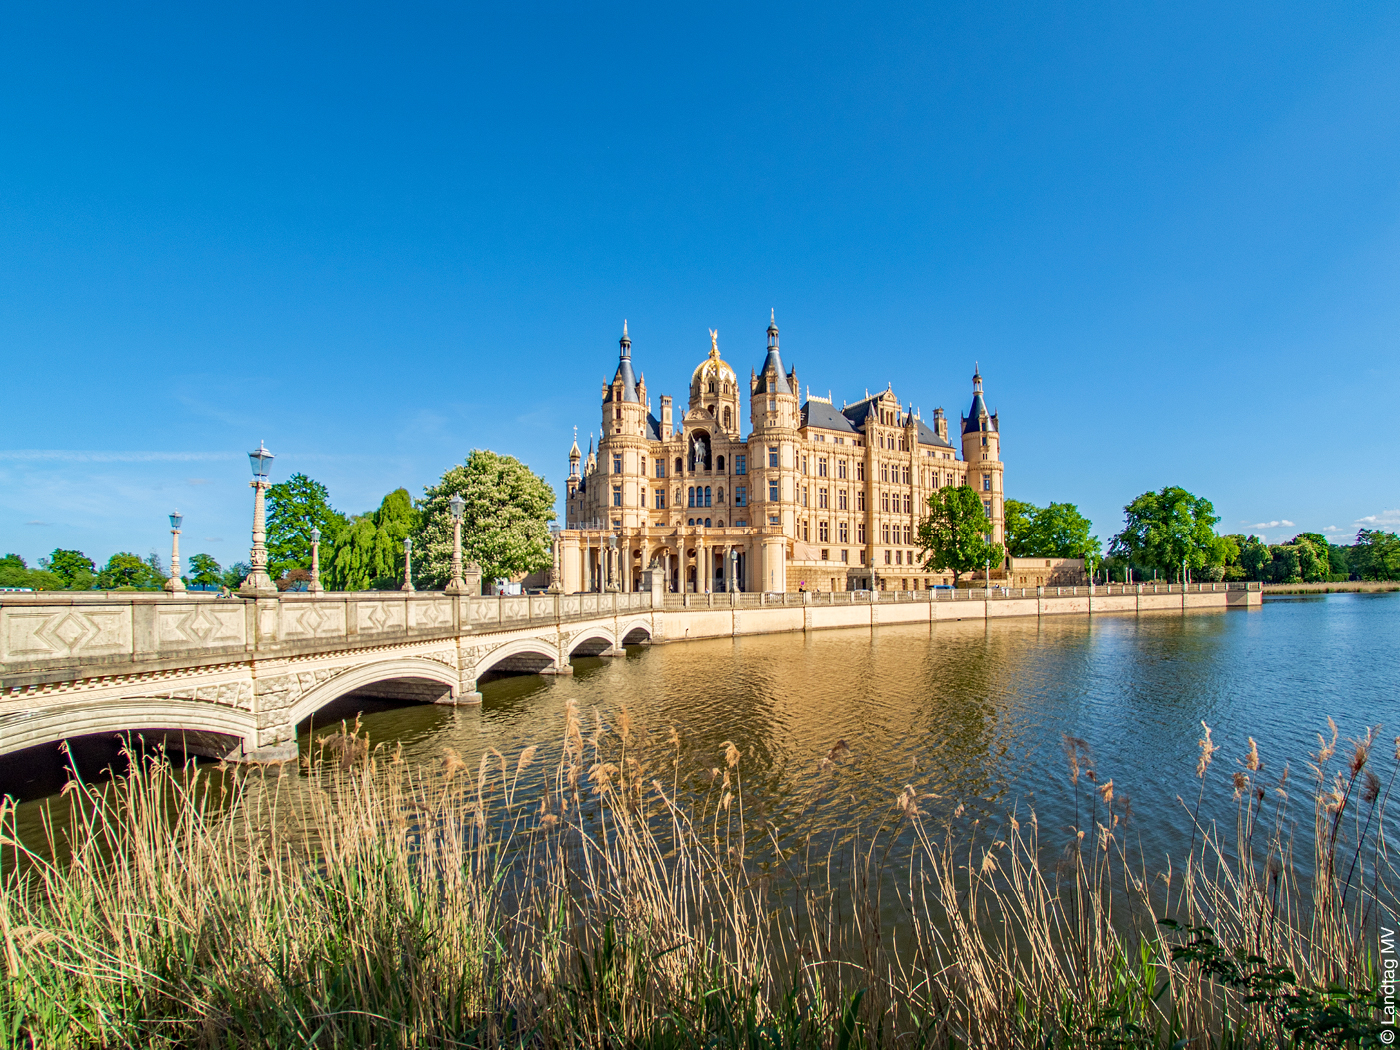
(814, 498)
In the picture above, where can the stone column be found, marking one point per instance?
(258, 584)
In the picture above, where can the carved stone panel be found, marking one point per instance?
(56, 634)
(515, 609)
(203, 625)
(376, 616)
(313, 620)
(431, 615)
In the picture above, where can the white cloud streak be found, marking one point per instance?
(60, 455)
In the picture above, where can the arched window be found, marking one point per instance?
(690, 521)
(707, 495)
(690, 502)
(712, 386)
(679, 465)
(727, 423)
(707, 523)
(720, 461)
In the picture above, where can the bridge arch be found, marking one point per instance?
(523, 655)
(133, 714)
(400, 670)
(635, 631)
(593, 641)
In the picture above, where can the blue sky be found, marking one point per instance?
(377, 237)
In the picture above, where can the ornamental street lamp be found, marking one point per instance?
(612, 562)
(258, 584)
(407, 564)
(555, 585)
(315, 585)
(733, 570)
(456, 585)
(175, 584)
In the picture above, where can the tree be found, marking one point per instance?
(1018, 518)
(1284, 564)
(294, 508)
(368, 553)
(954, 534)
(1165, 529)
(204, 571)
(1058, 531)
(1255, 558)
(77, 571)
(125, 571)
(505, 523)
(235, 574)
(1314, 561)
(1376, 555)
(14, 572)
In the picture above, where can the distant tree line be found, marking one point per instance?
(505, 531)
(1167, 535)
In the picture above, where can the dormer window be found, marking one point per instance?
(772, 386)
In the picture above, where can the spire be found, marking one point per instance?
(772, 327)
(774, 360)
(573, 452)
(977, 416)
(624, 366)
(625, 343)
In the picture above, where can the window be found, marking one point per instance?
(679, 465)
(617, 495)
(707, 494)
(885, 531)
(773, 492)
(899, 557)
(805, 536)
(617, 464)
(821, 467)
(643, 468)
(660, 468)
(660, 499)
(690, 521)
(843, 532)
(719, 463)
(986, 483)
(882, 440)
(860, 534)
(862, 555)
(860, 499)
(885, 502)
(987, 506)
(860, 471)
(840, 468)
(821, 499)
(741, 464)
(690, 496)
(823, 534)
(841, 499)
(740, 495)
(908, 506)
(804, 495)
(772, 455)
(908, 539)
(887, 557)
(719, 495)
(772, 519)
(904, 475)
(772, 386)
(826, 554)
(772, 405)
(707, 523)
(845, 556)
(727, 419)
(884, 472)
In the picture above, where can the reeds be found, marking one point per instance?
(363, 901)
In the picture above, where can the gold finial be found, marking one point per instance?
(714, 342)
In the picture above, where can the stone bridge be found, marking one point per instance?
(234, 677)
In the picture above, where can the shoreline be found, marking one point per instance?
(1348, 587)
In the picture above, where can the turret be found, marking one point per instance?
(981, 441)
(623, 407)
(773, 392)
(574, 458)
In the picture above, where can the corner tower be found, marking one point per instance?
(981, 448)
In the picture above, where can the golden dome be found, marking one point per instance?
(714, 367)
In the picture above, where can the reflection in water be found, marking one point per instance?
(971, 711)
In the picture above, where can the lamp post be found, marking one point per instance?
(407, 564)
(733, 570)
(456, 585)
(315, 585)
(612, 562)
(175, 585)
(555, 585)
(258, 584)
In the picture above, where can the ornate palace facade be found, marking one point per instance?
(813, 497)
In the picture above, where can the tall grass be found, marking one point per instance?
(361, 901)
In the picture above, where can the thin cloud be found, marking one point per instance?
(196, 481)
(62, 455)
(213, 539)
(41, 524)
(1272, 524)
(1384, 518)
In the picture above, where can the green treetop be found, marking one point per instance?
(294, 508)
(1376, 555)
(125, 571)
(505, 520)
(1166, 528)
(1056, 531)
(954, 533)
(77, 571)
(204, 571)
(368, 553)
